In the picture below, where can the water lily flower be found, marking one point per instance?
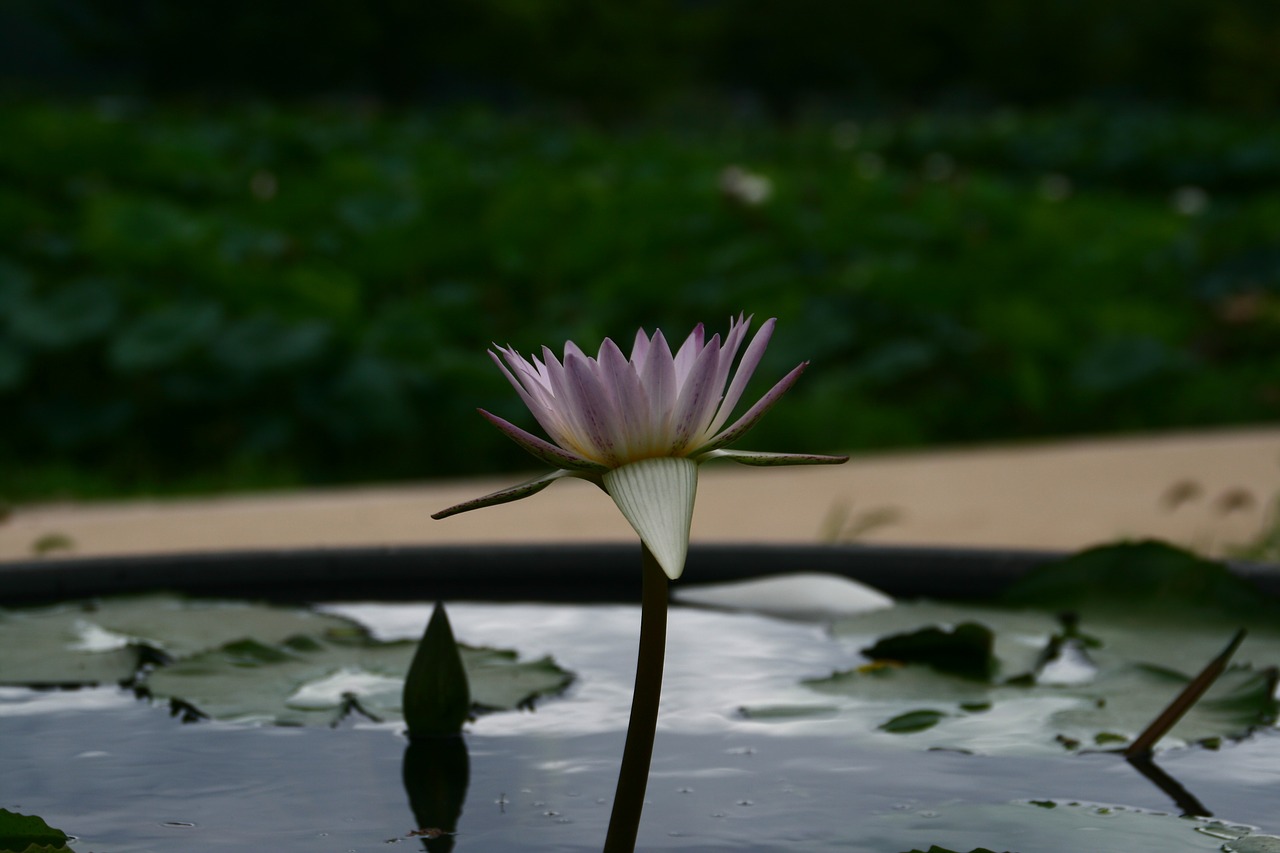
(640, 427)
(745, 188)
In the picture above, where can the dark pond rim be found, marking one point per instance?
(534, 572)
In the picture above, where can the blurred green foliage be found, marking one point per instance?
(278, 295)
(611, 59)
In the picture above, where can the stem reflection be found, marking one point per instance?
(436, 772)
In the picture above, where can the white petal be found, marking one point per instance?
(656, 496)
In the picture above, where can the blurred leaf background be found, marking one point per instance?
(243, 245)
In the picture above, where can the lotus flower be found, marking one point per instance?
(639, 427)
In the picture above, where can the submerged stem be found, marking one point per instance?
(633, 777)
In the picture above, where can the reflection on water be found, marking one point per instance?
(1186, 802)
(124, 776)
(435, 772)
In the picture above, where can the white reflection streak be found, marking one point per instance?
(716, 662)
(22, 701)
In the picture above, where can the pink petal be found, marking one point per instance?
(732, 340)
(689, 352)
(697, 395)
(574, 430)
(658, 376)
(543, 450)
(630, 401)
(747, 367)
(589, 403)
(640, 348)
(756, 412)
(537, 398)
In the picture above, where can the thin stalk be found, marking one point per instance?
(633, 777)
(1182, 703)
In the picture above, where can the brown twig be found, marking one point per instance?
(1169, 717)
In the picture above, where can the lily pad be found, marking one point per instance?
(21, 833)
(1148, 578)
(1120, 704)
(913, 721)
(246, 662)
(309, 681)
(107, 641)
(964, 650)
(1045, 826)
(1018, 637)
(1095, 684)
(1253, 844)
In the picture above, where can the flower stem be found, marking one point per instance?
(633, 778)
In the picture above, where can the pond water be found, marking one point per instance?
(123, 776)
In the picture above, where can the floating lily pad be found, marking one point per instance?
(913, 721)
(1044, 826)
(894, 683)
(249, 662)
(103, 642)
(1253, 844)
(308, 681)
(1151, 579)
(1018, 638)
(964, 650)
(29, 834)
(1094, 684)
(1119, 704)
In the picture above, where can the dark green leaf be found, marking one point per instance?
(1143, 578)
(912, 721)
(164, 336)
(29, 834)
(964, 650)
(80, 311)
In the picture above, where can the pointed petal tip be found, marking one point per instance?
(512, 493)
(761, 458)
(544, 451)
